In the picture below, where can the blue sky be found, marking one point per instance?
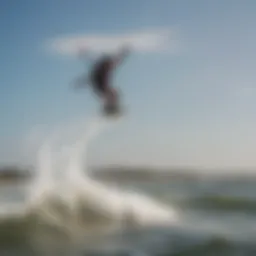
(194, 107)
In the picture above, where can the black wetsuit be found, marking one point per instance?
(100, 76)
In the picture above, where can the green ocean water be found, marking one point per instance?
(215, 217)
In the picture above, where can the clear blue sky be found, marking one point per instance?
(196, 107)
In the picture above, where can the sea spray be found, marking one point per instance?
(76, 168)
(79, 204)
(43, 179)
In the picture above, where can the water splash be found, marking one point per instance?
(78, 151)
(77, 203)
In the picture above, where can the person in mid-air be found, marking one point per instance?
(100, 77)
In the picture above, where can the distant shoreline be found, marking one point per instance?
(125, 174)
(13, 175)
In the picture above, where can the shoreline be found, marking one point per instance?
(126, 174)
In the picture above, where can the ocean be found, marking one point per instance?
(65, 211)
(214, 217)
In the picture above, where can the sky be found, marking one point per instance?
(192, 104)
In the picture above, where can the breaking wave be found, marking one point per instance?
(62, 199)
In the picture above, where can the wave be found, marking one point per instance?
(63, 199)
(221, 203)
(28, 237)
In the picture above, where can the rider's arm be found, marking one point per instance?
(84, 80)
(120, 57)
